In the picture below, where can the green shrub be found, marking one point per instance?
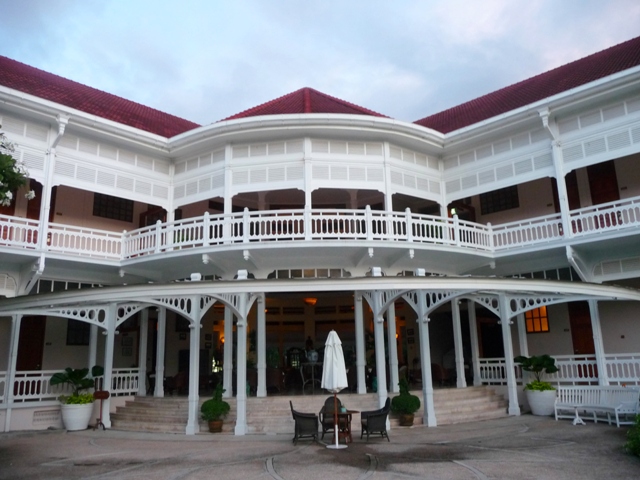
(215, 408)
(633, 439)
(405, 403)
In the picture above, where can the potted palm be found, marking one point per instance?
(541, 395)
(77, 408)
(405, 404)
(215, 409)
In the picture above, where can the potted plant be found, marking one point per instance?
(405, 404)
(77, 408)
(215, 409)
(541, 395)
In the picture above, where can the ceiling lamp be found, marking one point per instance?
(311, 301)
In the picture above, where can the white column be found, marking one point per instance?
(227, 366)
(93, 346)
(361, 353)
(461, 381)
(429, 413)
(378, 333)
(603, 377)
(241, 363)
(522, 335)
(110, 322)
(195, 326)
(160, 342)
(142, 353)
(475, 351)
(16, 320)
(262, 347)
(505, 319)
(393, 348)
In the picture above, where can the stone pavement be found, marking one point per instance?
(521, 448)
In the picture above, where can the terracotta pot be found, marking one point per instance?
(215, 426)
(406, 419)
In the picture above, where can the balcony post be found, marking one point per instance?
(307, 222)
(142, 353)
(475, 350)
(361, 361)
(461, 380)
(160, 347)
(194, 366)
(369, 222)
(245, 225)
(158, 236)
(206, 229)
(510, 373)
(407, 213)
(16, 320)
(456, 230)
(603, 378)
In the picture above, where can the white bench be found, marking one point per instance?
(600, 402)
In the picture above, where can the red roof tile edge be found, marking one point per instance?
(607, 62)
(48, 86)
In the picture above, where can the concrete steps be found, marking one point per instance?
(272, 415)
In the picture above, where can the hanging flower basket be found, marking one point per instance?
(13, 174)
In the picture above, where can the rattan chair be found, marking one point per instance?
(326, 415)
(375, 421)
(306, 425)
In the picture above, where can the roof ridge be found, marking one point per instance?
(303, 101)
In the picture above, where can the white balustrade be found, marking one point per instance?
(318, 224)
(18, 232)
(622, 369)
(34, 386)
(84, 241)
(606, 217)
(527, 232)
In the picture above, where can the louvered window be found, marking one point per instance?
(499, 200)
(116, 208)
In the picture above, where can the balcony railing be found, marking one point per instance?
(317, 224)
(622, 369)
(35, 386)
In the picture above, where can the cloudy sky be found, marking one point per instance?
(204, 60)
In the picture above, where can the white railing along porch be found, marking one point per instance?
(34, 385)
(316, 224)
(622, 369)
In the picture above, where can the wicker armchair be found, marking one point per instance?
(375, 421)
(306, 425)
(326, 415)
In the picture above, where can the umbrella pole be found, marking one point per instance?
(335, 417)
(335, 424)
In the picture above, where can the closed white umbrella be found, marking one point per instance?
(334, 376)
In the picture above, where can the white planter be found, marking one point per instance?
(76, 417)
(541, 402)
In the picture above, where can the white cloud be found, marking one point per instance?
(205, 60)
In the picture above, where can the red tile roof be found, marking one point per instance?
(48, 86)
(305, 100)
(588, 69)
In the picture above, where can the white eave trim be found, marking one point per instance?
(100, 126)
(552, 103)
(386, 126)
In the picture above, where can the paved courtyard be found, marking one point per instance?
(521, 448)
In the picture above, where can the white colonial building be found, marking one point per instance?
(507, 225)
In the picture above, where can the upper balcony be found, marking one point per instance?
(603, 243)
